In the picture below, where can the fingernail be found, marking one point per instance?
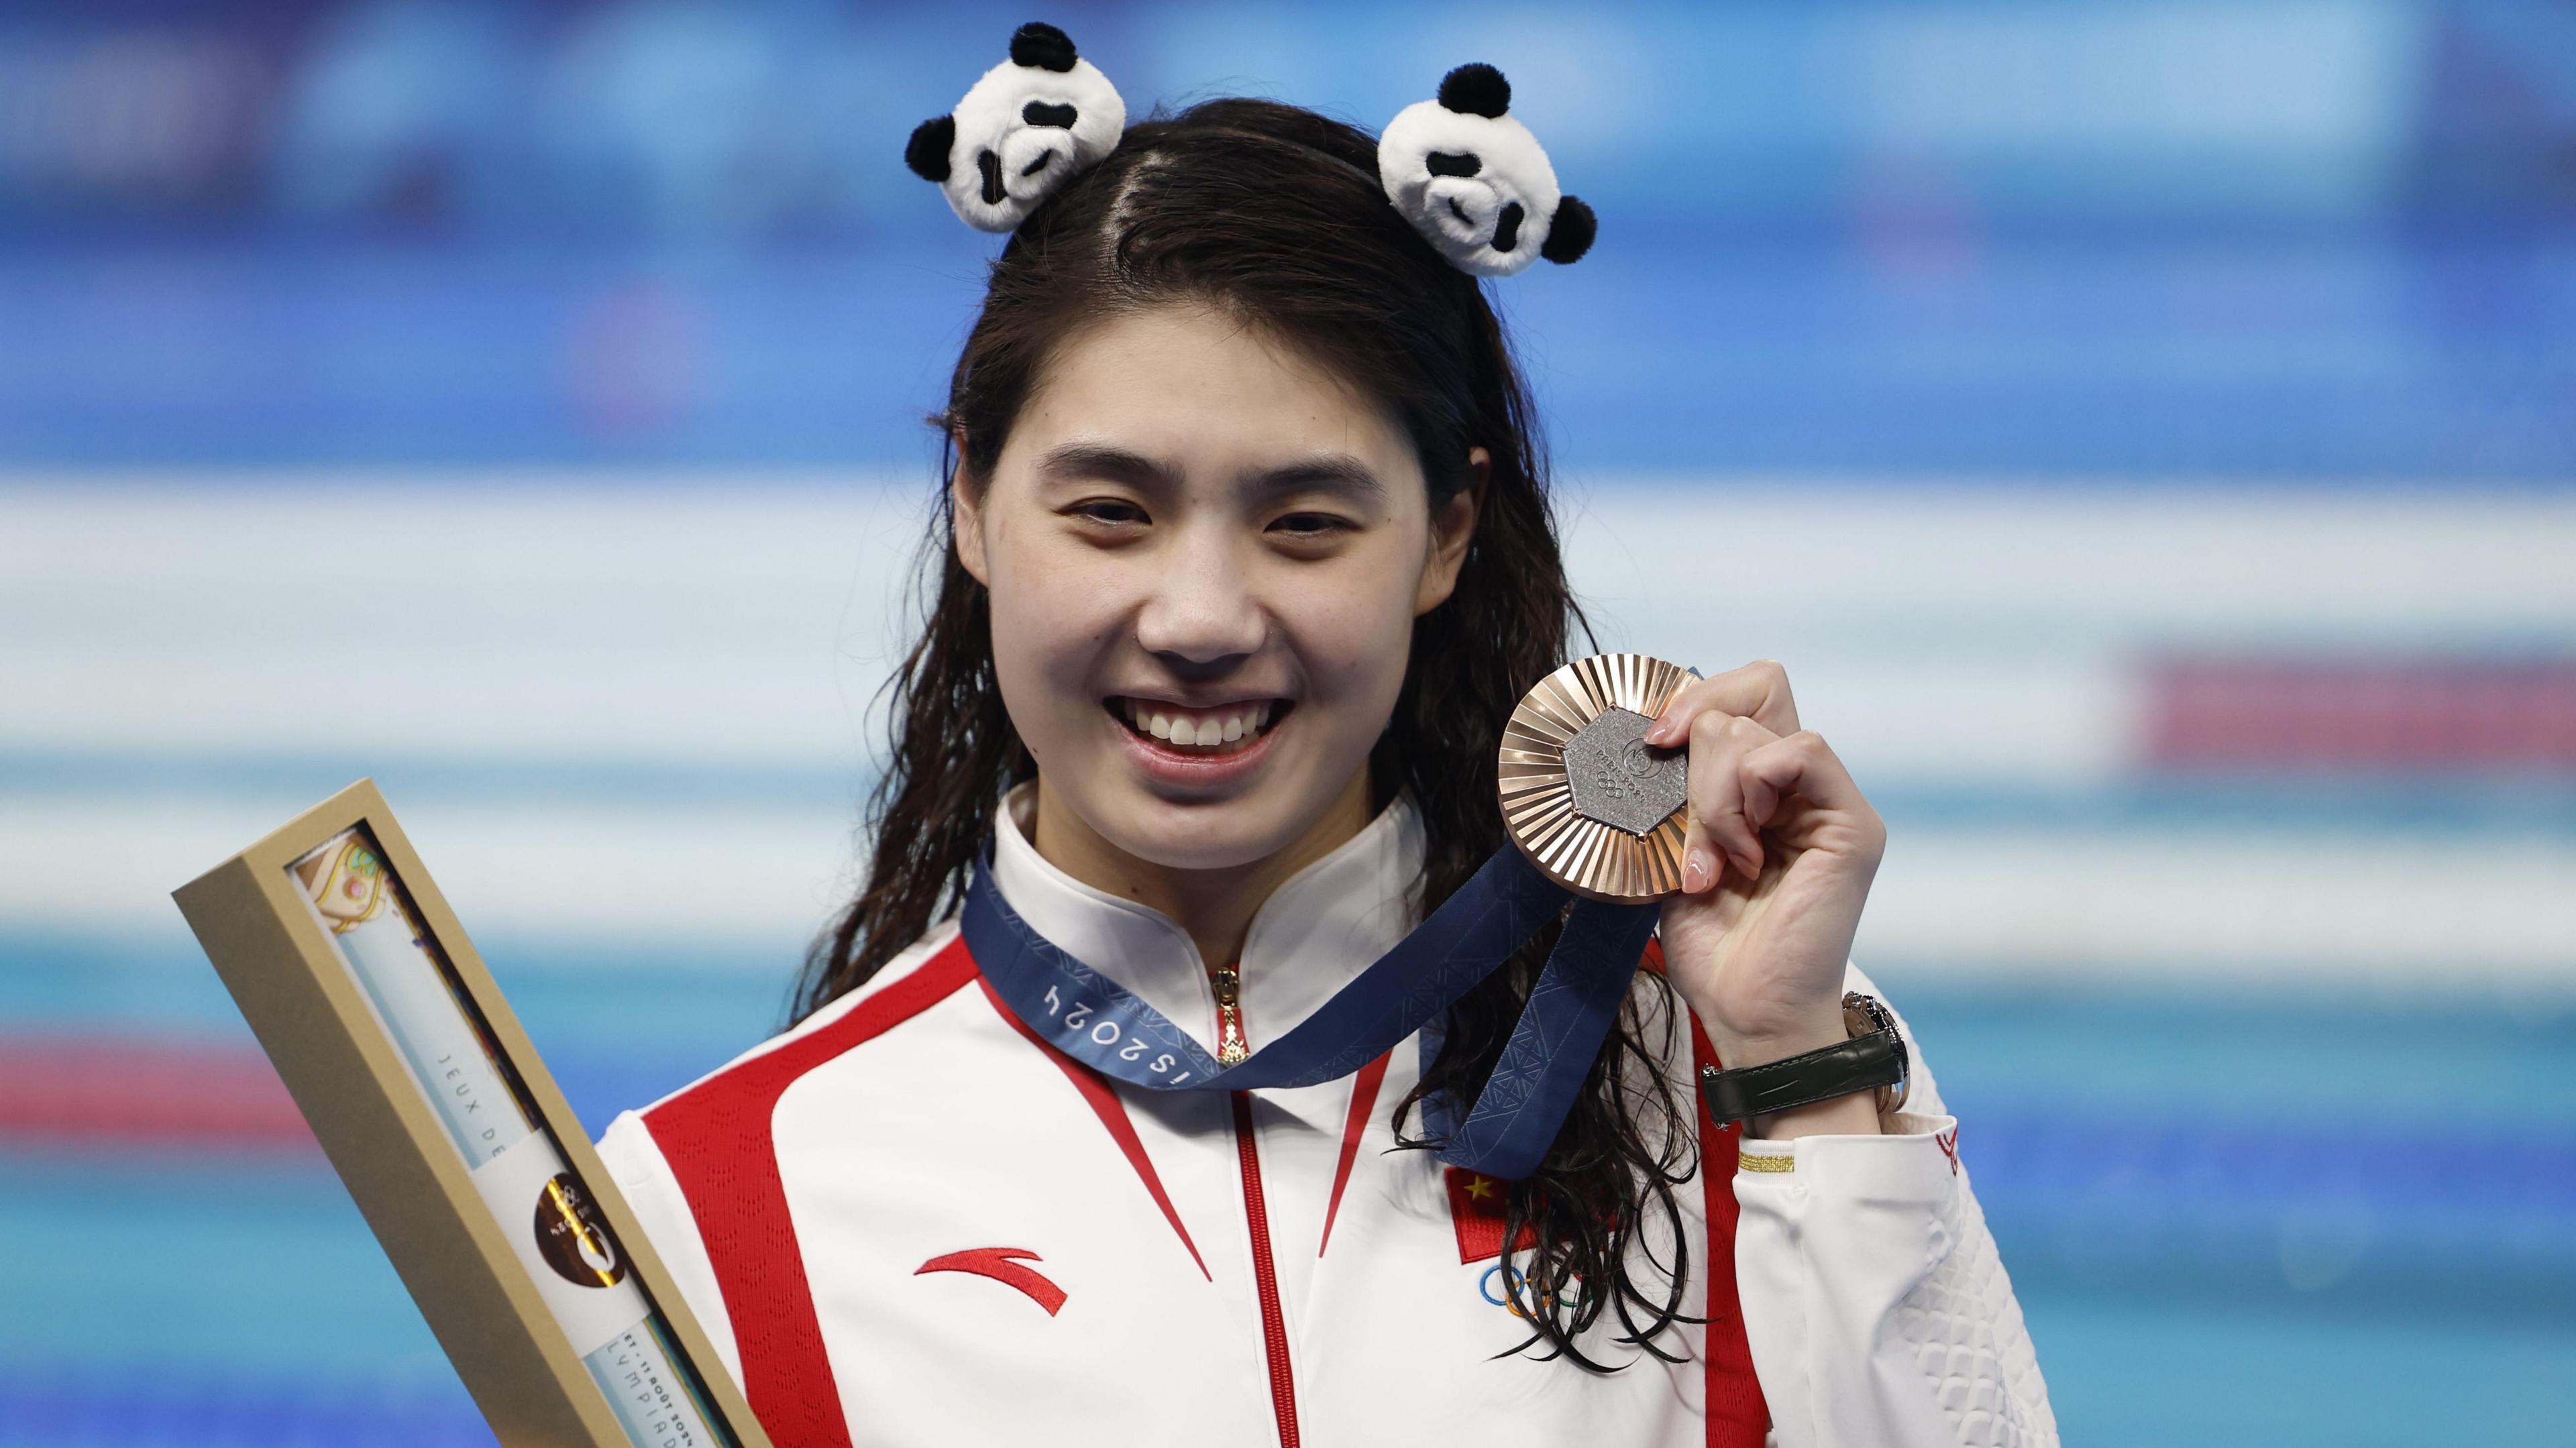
(1696, 871)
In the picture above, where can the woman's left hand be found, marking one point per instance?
(1776, 866)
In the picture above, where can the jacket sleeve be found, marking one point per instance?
(1874, 1301)
(645, 1180)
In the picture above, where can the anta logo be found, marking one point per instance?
(1002, 1264)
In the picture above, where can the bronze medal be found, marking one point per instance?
(1595, 807)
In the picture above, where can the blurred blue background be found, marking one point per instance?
(2146, 430)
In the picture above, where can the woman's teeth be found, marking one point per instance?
(1222, 731)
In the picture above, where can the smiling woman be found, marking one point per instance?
(1244, 559)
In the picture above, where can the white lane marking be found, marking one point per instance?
(740, 884)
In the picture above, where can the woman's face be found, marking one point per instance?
(1205, 555)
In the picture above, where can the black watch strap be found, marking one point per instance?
(1859, 1064)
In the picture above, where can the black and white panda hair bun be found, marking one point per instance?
(1030, 125)
(1474, 182)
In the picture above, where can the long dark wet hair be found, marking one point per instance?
(1275, 215)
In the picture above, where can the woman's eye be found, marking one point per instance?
(1115, 511)
(1311, 525)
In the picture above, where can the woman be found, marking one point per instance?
(1245, 557)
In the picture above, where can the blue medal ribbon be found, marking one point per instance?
(1105, 1026)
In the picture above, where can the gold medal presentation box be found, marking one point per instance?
(436, 1112)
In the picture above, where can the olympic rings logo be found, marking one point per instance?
(1499, 1284)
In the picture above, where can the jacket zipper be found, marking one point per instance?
(1232, 1047)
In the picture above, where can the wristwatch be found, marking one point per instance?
(1874, 1057)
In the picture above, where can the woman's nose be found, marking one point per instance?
(1201, 608)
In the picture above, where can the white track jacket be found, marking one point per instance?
(907, 1221)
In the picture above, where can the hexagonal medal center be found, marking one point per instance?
(1620, 781)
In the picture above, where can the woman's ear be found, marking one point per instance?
(966, 514)
(1453, 526)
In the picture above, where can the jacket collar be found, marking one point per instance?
(1322, 926)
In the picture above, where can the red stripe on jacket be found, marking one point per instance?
(716, 1137)
(1103, 1100)
(1354, 1126)
(1737, 1415)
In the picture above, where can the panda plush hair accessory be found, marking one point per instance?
(1474, 182)
(1031, 124)
(1471, 179)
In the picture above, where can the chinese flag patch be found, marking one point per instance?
(1476, 1209)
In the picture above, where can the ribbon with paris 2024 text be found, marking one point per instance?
(1100, 1023)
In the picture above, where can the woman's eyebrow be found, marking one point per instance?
(1114, 464)
(1333, 472)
